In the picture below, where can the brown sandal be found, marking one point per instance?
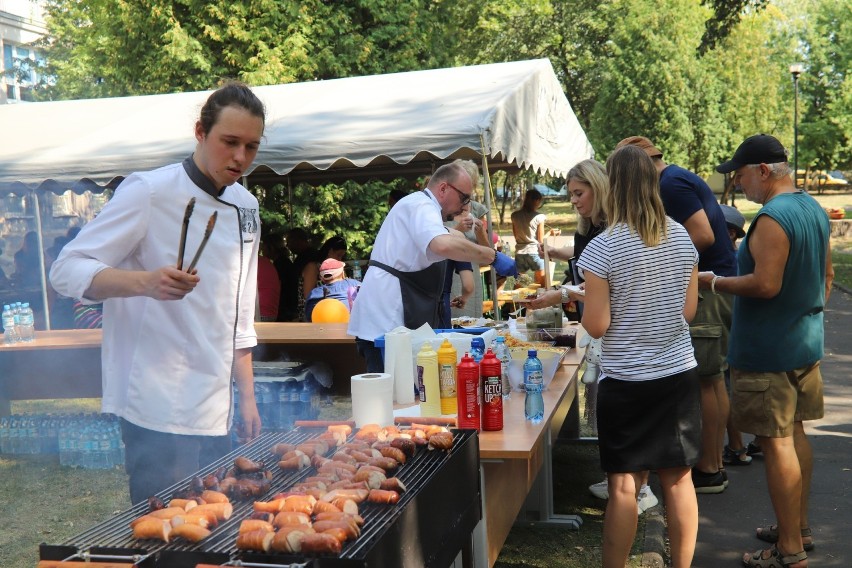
(776, 559)
(770, 534)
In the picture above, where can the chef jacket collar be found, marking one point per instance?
(199, 179)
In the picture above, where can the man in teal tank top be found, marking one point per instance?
(776, 343)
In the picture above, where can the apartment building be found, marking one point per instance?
(21, 23)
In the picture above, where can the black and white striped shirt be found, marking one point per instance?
(648, 337)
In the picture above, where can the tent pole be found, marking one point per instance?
(486, 184)
(41, 261)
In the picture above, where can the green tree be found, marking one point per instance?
(114, 48)
(826, 88)
(649, 85)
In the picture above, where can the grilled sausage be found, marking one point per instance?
(190, 532)
(259, 540)
(159, 529)
(383, 497)
(319, 544)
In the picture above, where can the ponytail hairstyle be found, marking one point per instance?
(634, 195)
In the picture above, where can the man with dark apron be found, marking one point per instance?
(404, 284)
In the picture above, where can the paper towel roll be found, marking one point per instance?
(372, 399)
(399, 363)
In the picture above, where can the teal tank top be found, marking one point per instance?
(785, 332)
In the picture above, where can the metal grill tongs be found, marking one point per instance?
(207, 232)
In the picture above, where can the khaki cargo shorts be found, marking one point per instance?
(767, 404)
(709, 331)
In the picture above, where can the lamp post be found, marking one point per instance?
(795, 71)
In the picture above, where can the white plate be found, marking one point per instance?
(576, 289)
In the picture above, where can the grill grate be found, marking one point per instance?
(429, 476)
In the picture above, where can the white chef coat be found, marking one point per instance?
(402, 243)
(167, 365)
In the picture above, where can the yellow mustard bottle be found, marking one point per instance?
(447, 360)
(427, 381)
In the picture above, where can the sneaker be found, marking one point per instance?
(708, 482)
(736, 457)
(724, 477)
(647, 499)
(600, 490)
(753, 449)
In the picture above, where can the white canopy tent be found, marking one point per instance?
(514, 113)
(505, 115)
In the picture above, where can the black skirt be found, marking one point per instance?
(648, 425)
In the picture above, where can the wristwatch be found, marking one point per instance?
(565, 298)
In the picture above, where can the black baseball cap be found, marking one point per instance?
(757, 149)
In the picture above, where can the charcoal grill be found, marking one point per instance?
(432, 522)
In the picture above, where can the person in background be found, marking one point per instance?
(27, 270)
(268, 285)
(334, 284)
(407, 261)
(784, 276)
(173, 339)
(528, 228)
(61, 308)
(4, 281)
(588, 188)
(690, 201)
(473, 223)
(465, 272)
(335, 248)
(394, 196)
(292, 305)
(735, 453)
(648, 396)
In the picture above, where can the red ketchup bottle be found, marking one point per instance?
(468, 393)
(492, 392)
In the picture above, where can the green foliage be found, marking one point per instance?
(726, 16)
(351, 210)
(114, 48)
(826, 88)
(649, 85)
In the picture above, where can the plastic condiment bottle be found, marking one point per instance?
(469, 392)
(492, 392)
(447, 358)
(427, 381)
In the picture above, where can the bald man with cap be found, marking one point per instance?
(689, 200)
(784, 278)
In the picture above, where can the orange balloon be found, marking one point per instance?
(330, 310)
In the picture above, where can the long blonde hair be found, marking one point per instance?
(591, 172)
(634, 195)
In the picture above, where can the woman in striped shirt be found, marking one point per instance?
(641, 291)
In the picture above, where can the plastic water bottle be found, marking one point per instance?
(262, 394)
(356, 270)
(26, 328)
(305, 397)
(295, 402)
(533, 383)
(4, 434)
(10, 334)
(505, 357)
(477, 349)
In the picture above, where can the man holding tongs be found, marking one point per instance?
(178, 324)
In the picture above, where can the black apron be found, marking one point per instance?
(421, 293)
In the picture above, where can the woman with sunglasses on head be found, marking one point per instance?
(641, 291)
(174, 335)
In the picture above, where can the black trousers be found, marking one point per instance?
(155, 460)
